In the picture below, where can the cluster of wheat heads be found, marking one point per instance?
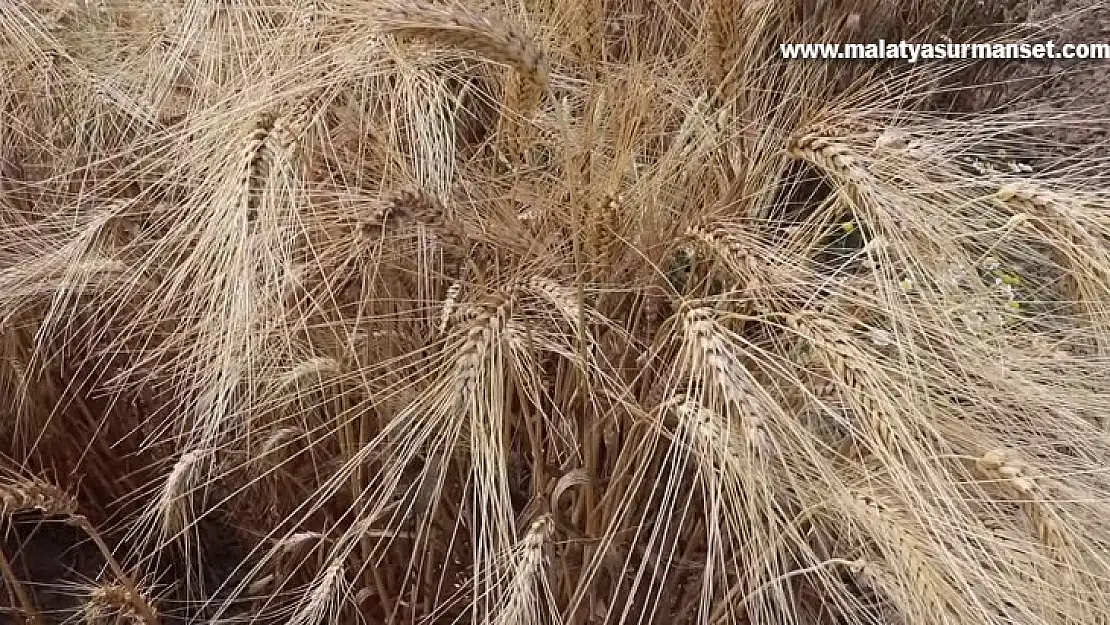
(543, 312)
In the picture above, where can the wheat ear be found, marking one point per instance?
(563, 298)
(1085, 251)
(925, 581)
(115, 604)
(827, 154)
(710, 355)
(522, 603)
(760, 283)
(173, 503)
(472, 355)
(33, 495)
(317, 371)
(320, 605)
(845, 360)
(36, 496)
(497, 40)
(724, 44)
(1003, 466)
(712, 430)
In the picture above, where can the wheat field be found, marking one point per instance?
(545, 312)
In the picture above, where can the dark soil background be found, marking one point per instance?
(1077, 85)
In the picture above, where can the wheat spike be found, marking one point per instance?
(454, 25)
(174, 505)
(323, 603)
(708, 352)
(317, 371)
(846, 362)
(1006, 468)
(927, 586)
(827, 154)
(563, 298)
(450, 305)
(522, 603)
(115, 604)
(716, 434)
(33, 495)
